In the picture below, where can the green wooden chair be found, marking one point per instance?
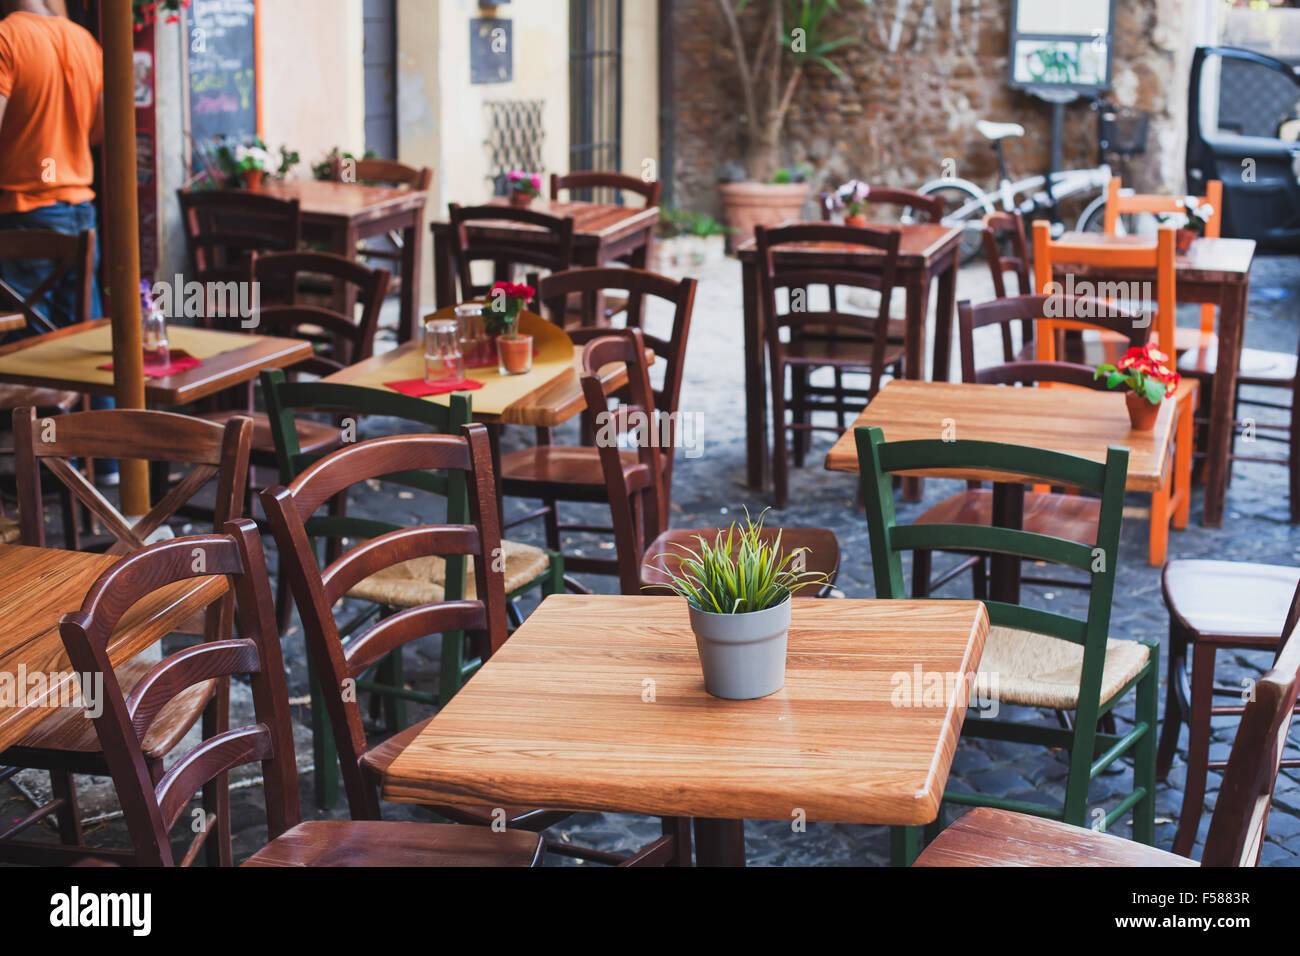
(410, 584)
(1032, 657)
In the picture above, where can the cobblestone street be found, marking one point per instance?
(709, 491)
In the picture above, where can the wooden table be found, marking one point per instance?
(549, 395)
(344, 214)
(926, 251)
(601, 234)
(1073, 421)
(1216, 271)
(68, 359)
(37, 587)
(597, 703)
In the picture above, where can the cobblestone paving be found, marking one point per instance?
(709, 490)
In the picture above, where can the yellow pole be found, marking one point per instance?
(122, 239)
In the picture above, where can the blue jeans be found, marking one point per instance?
(60, 304)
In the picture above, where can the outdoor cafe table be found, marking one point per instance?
(926, 251)
(1215, 271)
(344, 214)
(69, 358)
(597, 703)
(601, 233)
(37, 587)
(1073, 421)
(550, 394)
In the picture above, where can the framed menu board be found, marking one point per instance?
(1066, 46)
(223, 70)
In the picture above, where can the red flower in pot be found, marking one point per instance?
(514, 351)
(1146, 372)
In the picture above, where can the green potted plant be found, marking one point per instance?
(793, 35)
(737, 593)
(514, 351)
(1149, 380)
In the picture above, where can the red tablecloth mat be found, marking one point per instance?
(418, 387)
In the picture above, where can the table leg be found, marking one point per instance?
(1004, 569)
(755, 386)
(917, 285)
(719, 842)
(944, 308)
(1232, 320)
(444, 271)
(412, 248)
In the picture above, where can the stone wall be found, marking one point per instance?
(922, 74)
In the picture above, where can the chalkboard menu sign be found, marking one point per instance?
(223, 70)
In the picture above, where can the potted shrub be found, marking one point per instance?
(514, 351)
(737, 593)
(1191, 222)
(524, 187)
(706, 239)
(1149, 380)
(851, 200)
(794, 34)
(248, 163)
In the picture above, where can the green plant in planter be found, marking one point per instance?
(702, 225)
(325, 169)
(739, 572)
(786, 175)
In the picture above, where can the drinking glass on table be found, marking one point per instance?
(154, 336)
(473, 333)
(442, 355)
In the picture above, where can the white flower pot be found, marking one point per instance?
(742, 655)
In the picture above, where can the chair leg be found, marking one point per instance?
(216, 792)
(904, 845)
(1174, 717)
(68, 816)
(921, 574)
(1158, 538)
(551, 523)
(394, 706)
(1198, 748)
(780, 476)
(1144, 751)
(679, 828)
(980, 579)
(324, 756)
(1184, 449)
(283, 602)
(799, 412)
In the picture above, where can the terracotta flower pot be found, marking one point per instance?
(253, 179)
(514, 356)
(859, 220)
(1141, 413)
(520, 199)
(746, 205)
(1184, 238)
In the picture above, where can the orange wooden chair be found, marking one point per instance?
(1118, 204)
(1127, 256)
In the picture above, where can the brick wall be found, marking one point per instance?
(923, 73)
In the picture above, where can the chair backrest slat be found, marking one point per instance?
(221, 225)
(600, 179)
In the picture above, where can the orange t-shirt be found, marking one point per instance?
(52, 72)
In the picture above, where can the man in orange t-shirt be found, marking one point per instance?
(51, 112)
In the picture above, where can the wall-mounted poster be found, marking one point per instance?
(1062, 45)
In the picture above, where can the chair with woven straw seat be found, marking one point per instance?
(1032, 657)
(987, 837)
(152, 806)
(845, 341)
(1073, 517)
(646, 550)
(1214, 606)
(406, 584)
(339, 665)
(64, 743)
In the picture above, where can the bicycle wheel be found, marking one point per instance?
(1093, 219)
(954, 197)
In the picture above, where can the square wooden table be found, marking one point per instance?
(69, 359)
(37, 587)
(601, 234)
(926, 251)
(597, 703)
(1214, 271)
(344, 214)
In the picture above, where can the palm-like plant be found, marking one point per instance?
(795, 34)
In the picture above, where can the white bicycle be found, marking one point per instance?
(1034, 196)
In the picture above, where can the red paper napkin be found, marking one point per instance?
(180, 362)
(419, 387)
